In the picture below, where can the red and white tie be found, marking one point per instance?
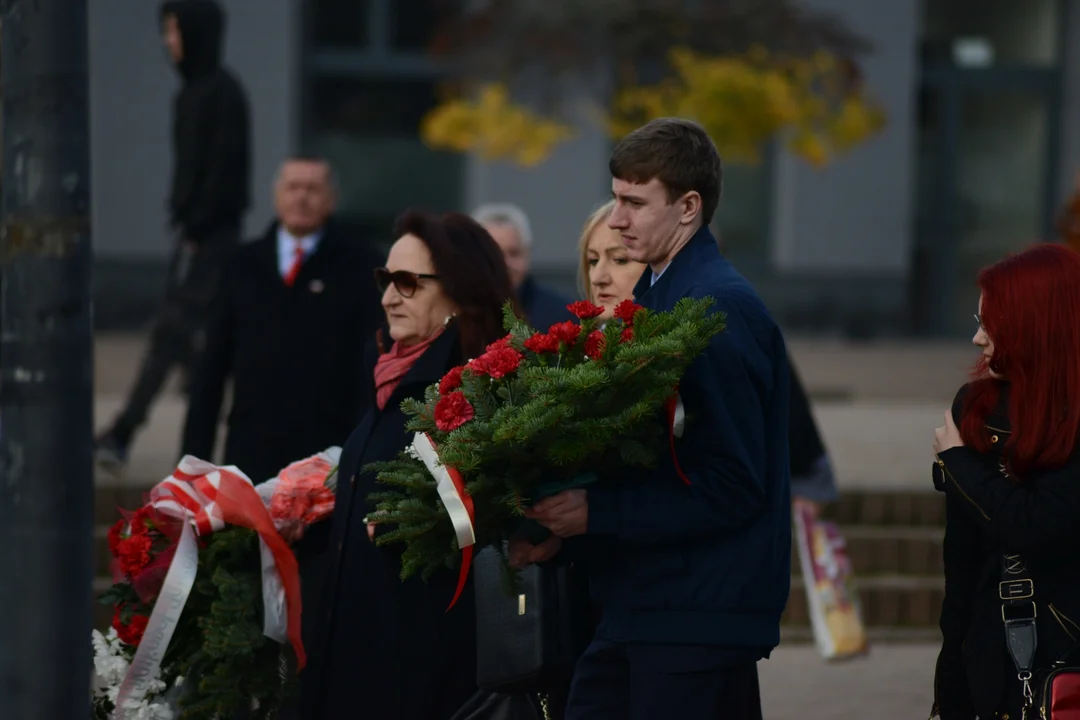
(298, 261)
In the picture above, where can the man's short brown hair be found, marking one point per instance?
(678, 153)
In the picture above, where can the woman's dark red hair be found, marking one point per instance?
(1031, 312)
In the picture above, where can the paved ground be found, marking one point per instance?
(877, 407)
(895, 682)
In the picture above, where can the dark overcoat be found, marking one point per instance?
(379, 647)
(294, 355)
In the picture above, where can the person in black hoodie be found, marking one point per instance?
(209, 196)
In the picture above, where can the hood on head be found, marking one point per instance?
(202, 27)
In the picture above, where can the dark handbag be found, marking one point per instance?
(528, 641)
(486, 705)
(1056, 694)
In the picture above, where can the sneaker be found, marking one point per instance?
(110, 455)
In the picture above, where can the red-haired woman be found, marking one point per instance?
(1007, 462)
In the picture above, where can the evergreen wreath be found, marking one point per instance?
(537, 413)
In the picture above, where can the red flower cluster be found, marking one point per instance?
(503, 342)
(566, 332)
(626, 310)
(585, 310)
(594, 344)
(451, 381)
(452, 411)
(132, 632)
(300, 500)
(130, 541)
(134, 554)
(542, 343)
(500, 360)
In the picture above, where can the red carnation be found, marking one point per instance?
(497, 362)
(542, 343)
(567, 332)
(142, 521)
(132, 633)
(452, 411)
(451, 380)
(585, 310)
(134, 554)
(116, 535)
(627, 334)
(500, 343)
(626, 310)
(594, 344)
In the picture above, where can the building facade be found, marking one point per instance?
(981, 148)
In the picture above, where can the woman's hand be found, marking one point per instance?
(523, 553)
(947, 436)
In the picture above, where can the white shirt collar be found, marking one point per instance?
(656, 275)
(287, 243)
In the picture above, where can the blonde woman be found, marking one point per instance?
(606, 274)
(607, 277)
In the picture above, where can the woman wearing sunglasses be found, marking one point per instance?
(380, 647)
(1008, 464)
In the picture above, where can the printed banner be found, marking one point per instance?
(835, 612)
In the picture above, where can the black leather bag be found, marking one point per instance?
(485, 705)
(529, 641)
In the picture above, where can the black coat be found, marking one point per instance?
(988, 514)
(294, 355)
(211, 128)
(543, 306)
(379, 647)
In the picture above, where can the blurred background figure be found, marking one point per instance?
(207, 202)
(288, 328)
(509, 225)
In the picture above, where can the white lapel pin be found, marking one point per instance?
(316, 286)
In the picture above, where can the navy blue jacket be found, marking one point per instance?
(543, 306)
(709, 562)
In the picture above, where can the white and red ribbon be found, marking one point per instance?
(676, 416)
(458, 504)
(209, 497)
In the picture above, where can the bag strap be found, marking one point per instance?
(1018, 613)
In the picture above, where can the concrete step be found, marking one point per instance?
(895, 601)
(890, 550)
(889, 507)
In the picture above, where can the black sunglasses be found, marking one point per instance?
(406, 282)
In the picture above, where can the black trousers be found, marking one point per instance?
(642, 682)
(194, 275)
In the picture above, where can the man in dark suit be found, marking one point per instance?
(509, 225)
(692, 560)
(288, 327)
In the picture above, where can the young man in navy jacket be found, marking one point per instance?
(692, 577)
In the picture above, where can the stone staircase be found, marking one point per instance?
(894, 540)
(893, 537)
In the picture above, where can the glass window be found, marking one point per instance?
(981, 33)
(1001, 168)
(339, 23)
(415, 23)
(742, 219)
(369, 130)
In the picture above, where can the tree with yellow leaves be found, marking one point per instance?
(748, 70)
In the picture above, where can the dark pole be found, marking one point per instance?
(46, 363)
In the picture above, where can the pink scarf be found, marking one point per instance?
(392, 366)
